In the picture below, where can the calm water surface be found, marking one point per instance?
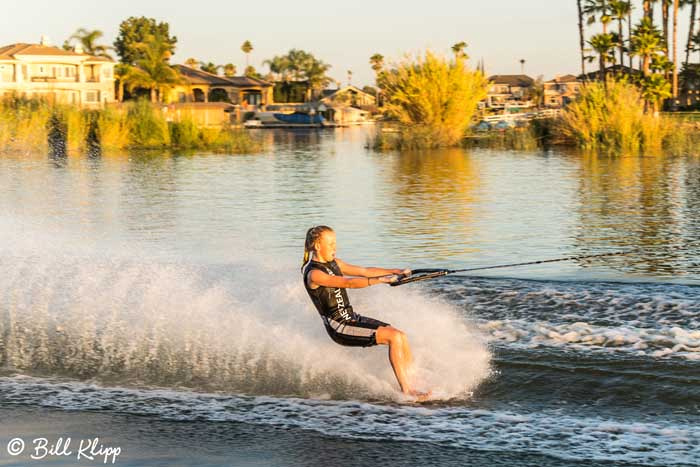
(154, 300)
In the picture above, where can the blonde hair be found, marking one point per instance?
(313, 235)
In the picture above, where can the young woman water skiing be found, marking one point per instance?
(326, 278)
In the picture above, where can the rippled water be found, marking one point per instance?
(167, 286)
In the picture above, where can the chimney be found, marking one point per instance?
(45, 40)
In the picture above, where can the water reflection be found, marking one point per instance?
(432, 198)
(444, 207)
(636, 203)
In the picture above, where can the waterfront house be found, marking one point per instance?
(561, 90)
(349, 95)
(509, 91)
(62, 76)
(200, 86)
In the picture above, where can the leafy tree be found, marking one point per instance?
(88, 42)
(192, 62)
(133, 31)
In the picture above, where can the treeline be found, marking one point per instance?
(145, 47)
(652, 41)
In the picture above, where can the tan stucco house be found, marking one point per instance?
(561, 90)
(509, 90)
(349, 95)
(62, 76)
(200, 86)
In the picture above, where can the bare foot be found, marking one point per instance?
(419, 395)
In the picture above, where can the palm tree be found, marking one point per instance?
(121, 72)
(209, 67)
(620, 10)
(87, 40)
(458, 49)
(646, 42)
(604, 45)
(675, 48)
(693, 12)
(316, 76)
(536, 91)
(665, 6)
(279, 67)
(654, 89)
(598, 9)
(229, 70)
(247, 48)
(581, 37)
(377, 62)
(153, 71)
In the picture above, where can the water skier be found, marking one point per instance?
(326, 278)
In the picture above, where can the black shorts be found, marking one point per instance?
(358, 332)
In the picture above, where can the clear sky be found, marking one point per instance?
(343, 34)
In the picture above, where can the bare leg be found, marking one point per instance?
(399, 355)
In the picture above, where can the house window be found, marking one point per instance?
(92, 96)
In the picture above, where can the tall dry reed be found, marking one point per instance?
(611, 116)
(434, 99)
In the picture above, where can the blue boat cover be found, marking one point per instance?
(299, 118)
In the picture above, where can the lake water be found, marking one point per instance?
(155, 301)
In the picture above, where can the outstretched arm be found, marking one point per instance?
(320, 278)
(352, 270)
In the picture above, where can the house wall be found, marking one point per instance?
(69, 80)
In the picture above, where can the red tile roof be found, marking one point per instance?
(9, 52)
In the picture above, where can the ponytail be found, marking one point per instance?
(312, 236)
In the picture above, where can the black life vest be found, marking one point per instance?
(331, 302)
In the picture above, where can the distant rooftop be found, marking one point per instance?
(10, 52)
(564, 79)
(522, 81)
(195, 76)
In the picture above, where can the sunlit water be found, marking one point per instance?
(168, 286)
